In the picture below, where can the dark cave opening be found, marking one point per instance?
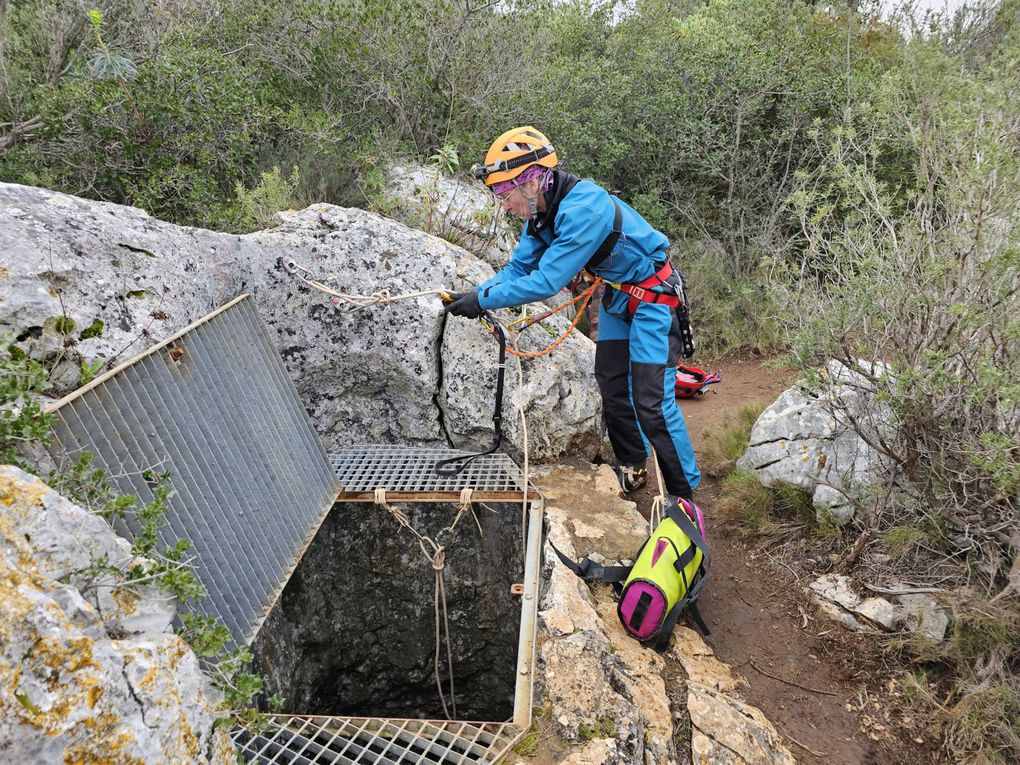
(353, 633)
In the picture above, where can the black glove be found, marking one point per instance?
(465, 304)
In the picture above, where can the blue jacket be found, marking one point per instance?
(555, 248)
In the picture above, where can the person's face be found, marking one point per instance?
(515, 201)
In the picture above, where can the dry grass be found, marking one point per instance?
(724, 445)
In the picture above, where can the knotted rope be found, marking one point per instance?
(466, 504)
(355, 302)
(435, 554)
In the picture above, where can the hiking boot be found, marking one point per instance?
(631, 477)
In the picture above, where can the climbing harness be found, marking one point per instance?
(674, 297)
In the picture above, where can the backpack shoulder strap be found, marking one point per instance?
(590, 570)
(606, 248)
(690, 602)
(688, 527)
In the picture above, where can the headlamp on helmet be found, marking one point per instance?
(512, 153)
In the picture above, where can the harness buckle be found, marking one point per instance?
(638, 292)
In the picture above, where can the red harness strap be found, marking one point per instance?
(641, 292)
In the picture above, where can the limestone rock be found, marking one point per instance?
(911, 612)
(69, 692)
(609, 698)
(578, 672)
(922, 615)
(726, 730)
(457, 208)
(805, 439)
(394, 373)
(67, 540)
(566, 606)
(699, 662)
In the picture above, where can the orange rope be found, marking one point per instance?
(584, 297)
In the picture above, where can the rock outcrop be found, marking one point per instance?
(909, 610)
(87, 280)
(89, 672)
(607, 699)
(457, 209)
(812, 438)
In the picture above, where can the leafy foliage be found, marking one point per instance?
(22, 419)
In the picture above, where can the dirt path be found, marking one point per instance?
(823, 688)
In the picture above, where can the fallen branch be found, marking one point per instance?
(855, 552)
(790, 682)
(805, 747)
(903, 591)
(19, 131)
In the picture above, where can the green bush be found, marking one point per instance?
(22, 419)
(762, 510)
(256, 208)
(922, 272)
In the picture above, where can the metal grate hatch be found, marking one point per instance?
(356, 741)
(214, 409)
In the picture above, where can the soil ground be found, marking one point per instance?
(828, 691)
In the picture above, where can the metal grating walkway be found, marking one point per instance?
(360, 741)
(410, 473)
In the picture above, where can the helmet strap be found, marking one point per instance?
(532, 201)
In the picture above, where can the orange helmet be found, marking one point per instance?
(512, 153)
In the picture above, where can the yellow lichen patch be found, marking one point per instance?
(5, 273)
(14, 490)
(72, 656)
(187, 741)
(20, 497)
(105, 743)
(126, 600)
(60, 666)
(10, 535)
(146, 681)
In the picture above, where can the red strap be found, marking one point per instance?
(640, 292)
